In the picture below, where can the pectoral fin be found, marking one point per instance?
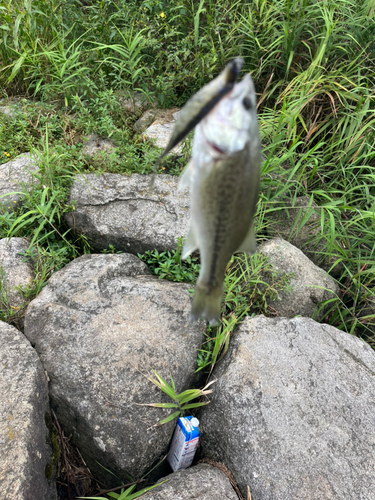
(190, 244)
(249, 244)
(186, 176)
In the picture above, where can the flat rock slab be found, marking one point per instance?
(96, 144)
(162, 127)
(25, 455)
(128, 213)
(7, 110)
(292, 412)
(147, 118)
(203, 482)
(309, 285)
(15, 271)
(135, 103)
(99, 326)
(16, 176)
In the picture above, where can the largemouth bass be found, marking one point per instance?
(223, 176)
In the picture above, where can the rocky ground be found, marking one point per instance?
(291, 413)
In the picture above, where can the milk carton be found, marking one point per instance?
(184, 443)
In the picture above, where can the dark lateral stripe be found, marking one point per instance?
(196, 119)
(234, 70)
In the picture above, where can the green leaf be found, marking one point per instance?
(194, 405)
(188, 395)
(163, 386)
(145, 490)
(159, 405)
(168, 419)
(126, 493)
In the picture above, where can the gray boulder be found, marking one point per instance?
(16, 176)
(286, 224)
(15, 271)
(162, 128)
(13, 106)
(308, 286)
(203, 482)
(145, 120)
(7, 110)
(134, 102)
(99, 326)
(10, 107)
(128, 213)
(292, 412)
(26, 457)
(96, 144)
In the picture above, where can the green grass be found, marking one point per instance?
(170, 266)
(72, 62)
(313, 63)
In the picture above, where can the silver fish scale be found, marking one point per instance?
(226, 211)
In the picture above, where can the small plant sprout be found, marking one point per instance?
(181, 401)
(125, 494)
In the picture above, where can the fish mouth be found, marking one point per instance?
(216, 148)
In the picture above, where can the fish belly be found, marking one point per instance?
(223, 206)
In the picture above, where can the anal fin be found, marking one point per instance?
(249, 244)
(186, 176)
(190, 244)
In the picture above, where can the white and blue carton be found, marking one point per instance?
(184, 443)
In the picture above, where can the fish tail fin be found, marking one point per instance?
(207, 304)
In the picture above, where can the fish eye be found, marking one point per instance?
(247, 103)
